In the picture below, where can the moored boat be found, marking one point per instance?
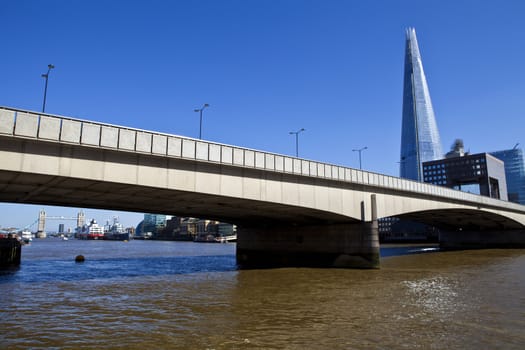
(210, 238)
(26, 236)
(115, 231)
(91, 231)
(226, 239)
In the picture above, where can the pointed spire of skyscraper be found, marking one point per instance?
(420, 141)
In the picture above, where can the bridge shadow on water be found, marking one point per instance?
(61, 270)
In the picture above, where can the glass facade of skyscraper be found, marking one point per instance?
(420, 141)
(153, 223)
(514, 172)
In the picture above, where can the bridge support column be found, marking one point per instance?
(352, 245)
(482, 239)
(343, 245)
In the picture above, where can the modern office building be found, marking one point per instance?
(515, 173)
(420, 141)
(153, 223)
(480, 173)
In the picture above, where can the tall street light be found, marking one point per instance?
(200, 111)
(402, 169)
(360, 150)
(296, 133)
(46, 76)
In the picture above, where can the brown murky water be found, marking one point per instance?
(173, 295)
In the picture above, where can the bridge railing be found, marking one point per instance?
(51, 128)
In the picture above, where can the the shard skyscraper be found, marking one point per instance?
(420, 140)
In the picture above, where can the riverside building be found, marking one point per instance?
(480, 173)
(514, 172)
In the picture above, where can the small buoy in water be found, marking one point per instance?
(79, 258)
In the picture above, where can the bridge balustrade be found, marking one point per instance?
(54, 128)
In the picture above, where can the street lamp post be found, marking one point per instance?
(402, 169)
(46, 76)
(360, 150)
(296, 133)
(200, 124)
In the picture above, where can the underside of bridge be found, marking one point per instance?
(464, 219)
(27, 188)
(83, 192)
(471, 229)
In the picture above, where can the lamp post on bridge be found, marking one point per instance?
(200, 124)
(46, 76)
(360, 150)
(296, 133)
(402, 169)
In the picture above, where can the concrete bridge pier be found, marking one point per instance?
(481, 239)
(348, 245)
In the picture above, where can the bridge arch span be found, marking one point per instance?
(463, 219)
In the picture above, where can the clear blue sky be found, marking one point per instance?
(268, 67)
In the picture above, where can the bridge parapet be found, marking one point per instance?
(52, 128)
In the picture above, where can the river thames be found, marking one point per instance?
(184, 295)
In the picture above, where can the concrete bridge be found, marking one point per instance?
(289, 211)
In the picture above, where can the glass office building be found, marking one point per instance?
(514, 172)
(420, 141)
(153, 223)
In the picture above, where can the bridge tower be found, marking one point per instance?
(41, 232)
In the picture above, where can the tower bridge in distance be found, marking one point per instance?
(43, 217)
(289, 211)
